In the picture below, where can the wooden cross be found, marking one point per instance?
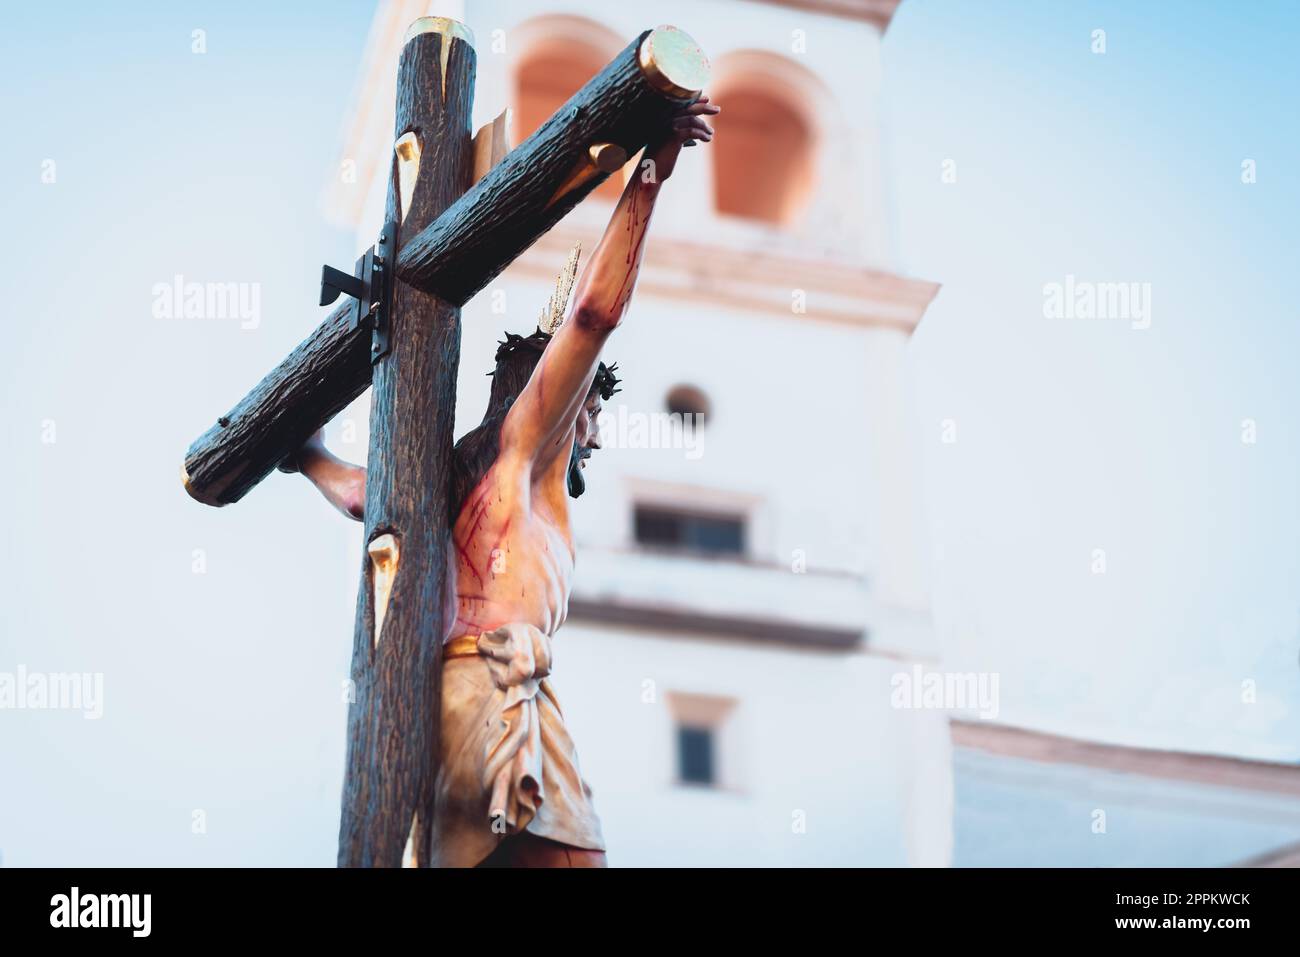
(451, 225)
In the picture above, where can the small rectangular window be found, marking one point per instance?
(695, 755)
(690, 531)
(705, 740)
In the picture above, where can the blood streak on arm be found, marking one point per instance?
(636, 235)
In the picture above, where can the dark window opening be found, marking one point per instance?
(687, 531)
(695, 755)
(687, 400)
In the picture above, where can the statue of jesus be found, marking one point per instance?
(509, 792)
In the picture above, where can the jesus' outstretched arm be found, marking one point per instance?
(537, 427)
(341, 483)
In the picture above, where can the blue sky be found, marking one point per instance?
(1075, 434)
(1072, 435)
(210, 166)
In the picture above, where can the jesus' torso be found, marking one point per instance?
(514, 551)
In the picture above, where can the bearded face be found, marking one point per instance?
(586, 439)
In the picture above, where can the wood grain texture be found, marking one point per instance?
(327, 370)
(505, 211)
(393, 722)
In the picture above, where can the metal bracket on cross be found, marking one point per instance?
(369, 285)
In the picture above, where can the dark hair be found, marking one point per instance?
(516, 358)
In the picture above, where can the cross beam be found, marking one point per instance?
(455, 255)
(393, 719)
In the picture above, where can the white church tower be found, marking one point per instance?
(745, 592)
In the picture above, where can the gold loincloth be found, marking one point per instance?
(508, 763)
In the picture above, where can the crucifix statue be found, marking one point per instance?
(457, 749)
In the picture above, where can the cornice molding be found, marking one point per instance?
(705, 625)
(876, 12)
(755, 280)
(1207, 769)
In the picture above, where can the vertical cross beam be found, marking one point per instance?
(393, 721)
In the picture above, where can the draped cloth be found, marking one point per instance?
(508, 763)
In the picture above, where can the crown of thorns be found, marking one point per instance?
(605, 381)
